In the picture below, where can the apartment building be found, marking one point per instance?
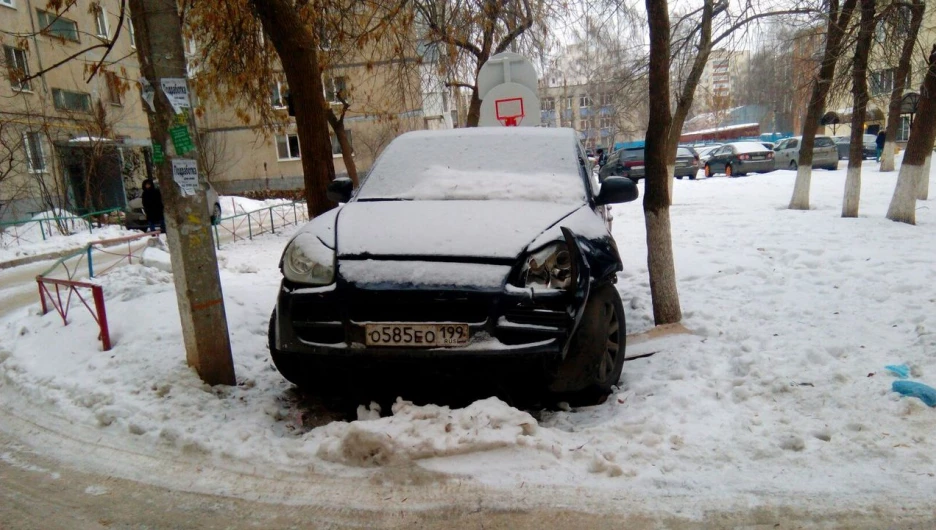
(723, 78)
(67, 139)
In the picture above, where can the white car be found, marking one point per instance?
(136, 218)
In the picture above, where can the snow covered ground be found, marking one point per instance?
(34, 238)
(780, 395)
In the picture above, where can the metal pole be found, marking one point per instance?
(272, 224)
(90, 263)
(98, 294)
(42, 295)
(249, 228)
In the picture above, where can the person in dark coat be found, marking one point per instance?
(153, 206)
(881, 138)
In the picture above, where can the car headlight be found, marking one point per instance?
(548, 268)
(307, 260)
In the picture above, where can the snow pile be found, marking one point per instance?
(779, 393)
(235, 205)
(430, 431)
(27, 240)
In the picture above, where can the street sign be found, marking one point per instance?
(507, 85)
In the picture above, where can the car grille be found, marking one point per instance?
(436, 306)
(538, 317)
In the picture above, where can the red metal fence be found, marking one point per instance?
(62, 306)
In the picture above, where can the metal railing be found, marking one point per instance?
(99, 313)
(268, 219)
(19, 232)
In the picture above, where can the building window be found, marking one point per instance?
(277, 95)
(18, 67)
(100, 21)
(903, 130)
(287, 147)
(605, 123)
(67, 100)
(336, 147)
(8, 3)
(607, 99)
(114, 88)
(882, 82)
(549, 104)
(569, 100)
(35, 157)
(336, 89)
(584, 101)
(130, 31)
(583, 125)
(57, 26)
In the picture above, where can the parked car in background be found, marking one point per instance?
(706, 152)
(768, 145)
(628, 162)
(868, 146)
(135, 217)
(687, 163)
(736, 159)
(825, 153)
(415, 269)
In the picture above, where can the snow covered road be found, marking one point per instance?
(778, 403)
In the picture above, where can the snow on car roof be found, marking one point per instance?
(748, 147)
(530, 164)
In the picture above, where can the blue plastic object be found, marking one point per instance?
(918, 390)
(900, 370)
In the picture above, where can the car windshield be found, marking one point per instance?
(478, 164)
(869, 138)
(682, 151)
(748, 147)
(824, 141)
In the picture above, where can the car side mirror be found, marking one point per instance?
(340, 190)
(615, 190)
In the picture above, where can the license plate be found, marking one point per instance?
(416, 335)
(637, 167)
(757, 158)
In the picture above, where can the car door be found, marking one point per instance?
(717, 162)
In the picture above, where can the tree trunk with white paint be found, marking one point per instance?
(919, 148)
(838, 22)
(657, 189)
(859, 109)
(900, 77)
(924, 182)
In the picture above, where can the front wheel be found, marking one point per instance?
(793, 165)
(708, 171)
(595, 358)
(679, 177)
(729, 172)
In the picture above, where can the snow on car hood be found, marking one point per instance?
(473, 229)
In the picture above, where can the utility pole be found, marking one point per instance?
(161, 53)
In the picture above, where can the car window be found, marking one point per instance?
(587, 169)
(632, 154)
(824, 141)
(478, 164)
(682, 151)
(793, 144)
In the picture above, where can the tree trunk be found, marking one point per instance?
(900, 78)
(474, 108)
(838, 22)
(347, 152)
(859, 109)
(923, 188)
(298, 54)
(656, 202)
(919, 147)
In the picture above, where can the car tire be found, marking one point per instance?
(692, 176)
(595, 357)
(729, 172)
(793, 166)
(679, 177)
(216, 214)
(708, 171)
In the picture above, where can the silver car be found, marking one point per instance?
(825, 153)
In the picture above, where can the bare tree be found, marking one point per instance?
(859, 108)
(214, 157)
(919, 148)
(908, 32)
(839, 18)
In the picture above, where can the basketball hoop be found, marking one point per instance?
(509, 111)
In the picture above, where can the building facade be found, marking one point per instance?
(725, 74)
(67, 139)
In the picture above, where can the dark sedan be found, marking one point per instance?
(740, 158)
(687, 163)
(627, 162)
(456, 249)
